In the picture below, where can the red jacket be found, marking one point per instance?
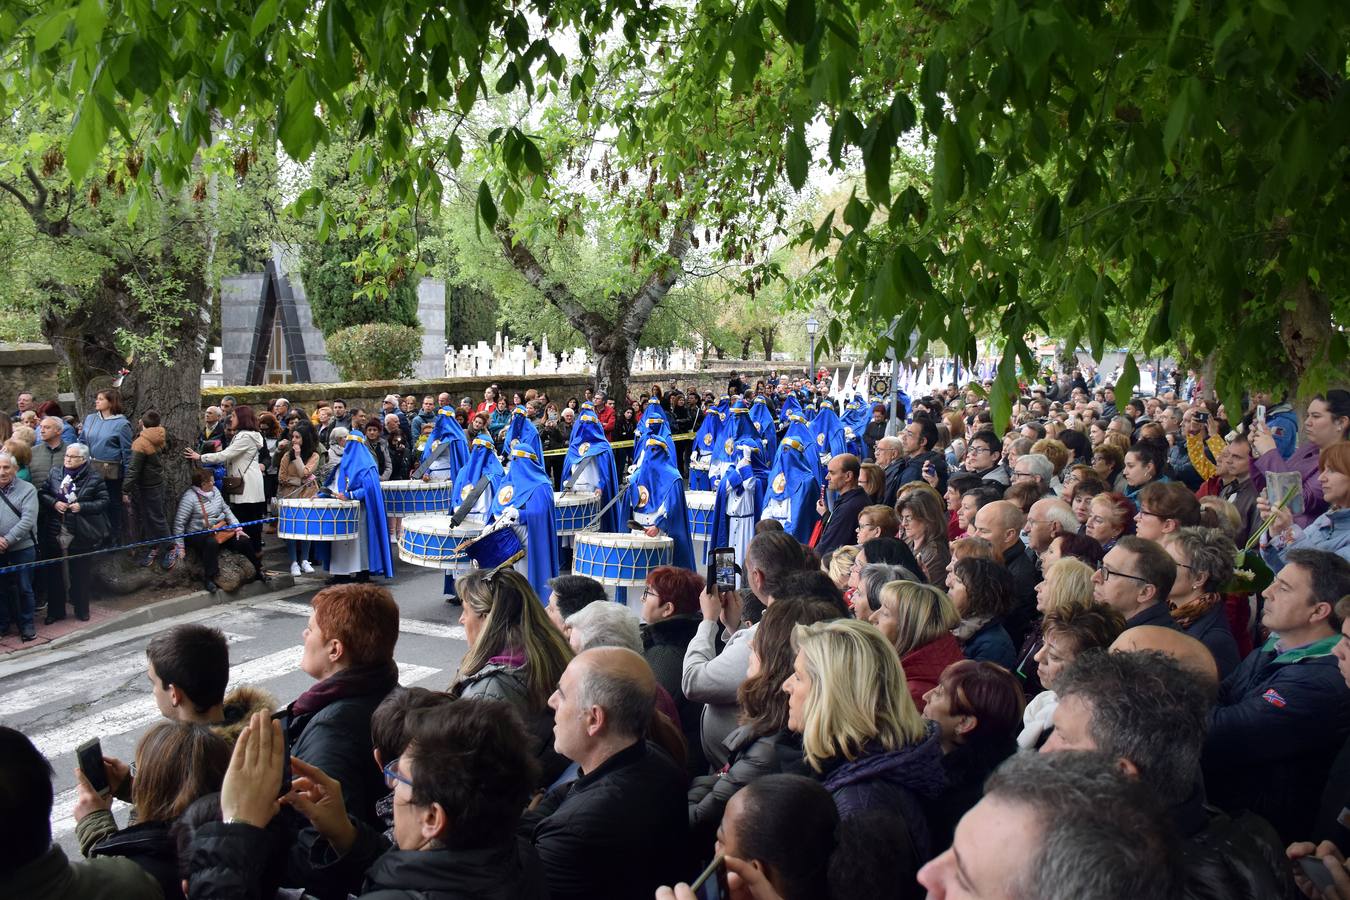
(924, 666)
(606, 416)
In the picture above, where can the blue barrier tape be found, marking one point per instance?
(173, 538)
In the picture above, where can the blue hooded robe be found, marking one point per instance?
(855, 418)
(735, 424)
(447, 428)
(701, 456)
(655, 496)
(589, 465)
(482, 462)
(653, 423)
(793, 488)
(528, 488)
(829, 437)
(357, 479)
(521, 432)
(762, 417)
(740, 497)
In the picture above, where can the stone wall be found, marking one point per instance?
(28, 367)
(368, 394)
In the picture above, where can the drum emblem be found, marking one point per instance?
(779, 483)
(820, 440)
(643, 495)
(465, 492)
(505, 494)
(585, 445)
(707, 439)
(729, 446)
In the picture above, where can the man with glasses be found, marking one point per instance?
(1135, 578)
(890, 455)
(984, 457)
(1034, 467)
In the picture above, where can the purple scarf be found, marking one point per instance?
(354, 681)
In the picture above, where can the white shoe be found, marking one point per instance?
(295, 568)
(306, 567)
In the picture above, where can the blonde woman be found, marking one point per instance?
(515, 655)
(923, 526)
(841, 565)
(918, 620)
(1067, 584)
(862, 736)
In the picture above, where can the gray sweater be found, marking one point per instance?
(18, 529)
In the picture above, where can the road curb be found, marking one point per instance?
(282, 585)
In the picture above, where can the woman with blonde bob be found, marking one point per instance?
(515, 654)
(861, 733)
(841, 564)
(1067, 584)
(918, 620)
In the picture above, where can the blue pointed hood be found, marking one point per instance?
(447, 428)
(762, 417)
(588, 439)
(482, 461)
(521, 432)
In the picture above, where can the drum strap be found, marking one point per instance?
(623, 489)
(467, 506)
(576, 473)
(436, 454)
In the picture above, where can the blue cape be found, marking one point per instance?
(447, 428)
(855, 418)
(656, 489)
(528, 488)
(762, 417)
(734, 480)
(829, 436)
(704, 439)
(523, 433)
(358, 478)
(482, 461)
(653, 424)
(793, 478)
(588, 443)
(791, 404)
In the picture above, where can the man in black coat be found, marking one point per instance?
(622, 828)
(841, 524)
(1000, 523)
(918, 440)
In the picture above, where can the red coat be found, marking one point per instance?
(924, 666)
(606, 416)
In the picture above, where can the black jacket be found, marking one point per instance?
(150, 846)
(966, 767)
(224, 865)
(841, 524)
(912, 468)
(615, 833)
(90, 524)
(1157, 614)
(1240, 858)
(663, 646)
(1022, 567)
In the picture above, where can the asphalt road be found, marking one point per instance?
(98, 688)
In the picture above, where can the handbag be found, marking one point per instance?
(221, 537)
(111, 470)
(234, 484)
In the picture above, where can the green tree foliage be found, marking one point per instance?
(333, 290)
(375, 352)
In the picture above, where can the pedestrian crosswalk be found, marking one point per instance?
(109, 697)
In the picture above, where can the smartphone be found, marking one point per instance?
(712, 884)
(1315, 871)
(722, 569)
(1260, 414)
(90, 758)
(286, 758)
(1202, 417)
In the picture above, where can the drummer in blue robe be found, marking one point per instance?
(793, 489)
(700, 458)
(829, 435)
(653, 424)
(854, 421)
(525, 499)
(655, 500)
(483, 465)
(733, 425)
(740, 498)
(357, 478)
(589, 468)
(522, 433)
(446, 449)
(762, 417)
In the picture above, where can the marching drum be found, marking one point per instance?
(700, 506)
(621, 560)
(575, 512)
(317, 519)
(416, 498)
(433, 541)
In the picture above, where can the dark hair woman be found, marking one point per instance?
(982, 592)
(244, 459)
(107, 434)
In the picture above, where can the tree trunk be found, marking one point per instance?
(766, 338)
(613, 364)
(1305, 330)
(745, 346)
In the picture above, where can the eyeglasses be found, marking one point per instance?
(1108, 572)
(976, 448)
(1016, 475)
(391, 776)
(651, 593)
(862, 525)
(1148, 512)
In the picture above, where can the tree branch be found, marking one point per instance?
(593, 326)
(659, 283)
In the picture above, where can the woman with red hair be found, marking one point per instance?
(670, 616)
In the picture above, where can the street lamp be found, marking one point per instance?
(812, 327)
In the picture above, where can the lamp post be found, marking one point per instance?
(812, 327)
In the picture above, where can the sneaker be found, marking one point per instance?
(147, 558)
(295, 568)
(171, 558)
(307, 567)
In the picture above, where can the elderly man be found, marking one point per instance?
(390, 407)
(1135, 578)
(1035, 468)
(214, 432)
(25, 403)
(48, 451)
(1000, 523)
(18, 531)
(621, 829)
(1048, 519)
(890, 455)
